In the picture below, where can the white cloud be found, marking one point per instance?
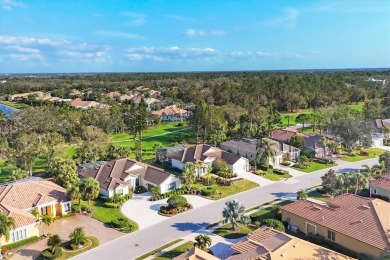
(137, 19)
(200, 33)
(173, 53)
(98, 56)
(250, 54)
(8, 4)
(181, 18)
(288, 19)
(5, 39)
(22, 49)
(115, 34)
(26, 57)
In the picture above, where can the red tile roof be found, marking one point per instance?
(170, 111)
(285, 134)
(354, 216)
(383, 182)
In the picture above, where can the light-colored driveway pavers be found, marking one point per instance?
(63, 227)
(145, 212)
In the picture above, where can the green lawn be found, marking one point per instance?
(373, 153)
(14, 104)
(106, 215)
(158, 249)
(176, 251)
(268, 212)
(318, 196)
(314, 166)
(5, 173)
(275, 177)
(236, 187)
(67, 254)
(163, 128)
(227, 232)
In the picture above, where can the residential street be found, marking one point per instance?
(136, 244)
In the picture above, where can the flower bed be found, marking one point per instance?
(181, 191)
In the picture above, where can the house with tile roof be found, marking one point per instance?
(381, 186)
(19, 198)
(120, 176)
(357, 223)
(78, 103)
(266, 243)
(247, 148)
(205, 155)
(172, 113)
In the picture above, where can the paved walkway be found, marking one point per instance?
(63, 227)
(145, 212)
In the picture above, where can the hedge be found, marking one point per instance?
(111, 205)
(20, 243)
(323, 160)
(46, 254)
(279, 171)
(208, 191)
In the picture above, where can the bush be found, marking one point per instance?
(76, 208)
(177, 201)
(275, 224)
(139, 189)
(47, 254)
(316, 239)
(20, 243)
(208, 191)
(120, 223)
(280, 171)
(259, 172)
(111, 205)
(180, 124)
(321, 190)
(364, 153)
(323, 161)
(285, 163)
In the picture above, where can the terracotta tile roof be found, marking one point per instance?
(113, 173)
(285, 134)
(17, 198)
(170, 111)
(200, 152)
(351, 215)
(383, 182)
(381, 123)
(113, 94)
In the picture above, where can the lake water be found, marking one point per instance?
(7, 110)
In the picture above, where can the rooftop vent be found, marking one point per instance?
(296, 245)
(283, 254)
(360, 221)
(365, 206)
(316, 207)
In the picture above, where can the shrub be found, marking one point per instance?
(321, 190)
(323, 160)
(259, 172)
(120, 223)
(275, 224)
(180, 124)
(111, 205)
(20, 243)
(177, 201)
(285, 163)
(208, 191)
(364, 153)
(139, 189)
(219, 165)
(47, 254)
(280, 171)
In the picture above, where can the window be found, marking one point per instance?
(119, 191)
(18, 235)
(67, 207)
(331, 235)
(171, 186)
(375, 191)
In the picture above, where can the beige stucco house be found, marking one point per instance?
(357, 223)
(18, 199)
(381, 186)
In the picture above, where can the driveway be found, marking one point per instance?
(255, 178)
(145, 212)
(63, 227)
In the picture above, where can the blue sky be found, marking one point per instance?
(183, 35)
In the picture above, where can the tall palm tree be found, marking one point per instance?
(47, 221)
(202, 242)
(188, 174)
(233, 213)
(324, 143)
(265, 152)
(369, 171)
(6, 224)
(74, 193)
(360, 181)
(348, 180)
(90, 190)
(301, 195)
(53, 242)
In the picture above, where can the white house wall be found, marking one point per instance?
(163, 186)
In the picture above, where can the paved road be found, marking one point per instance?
(138, 243)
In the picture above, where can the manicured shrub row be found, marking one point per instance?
(227, 175)
(323, 160)
(20, 243)
(168, 210)
(47, 254)
(223, 181)
(181, 191)
(111, 205)
(208, 191)
(280, 171)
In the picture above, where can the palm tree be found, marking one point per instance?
(90, 190)
(360, 181)
(265, 152)
(340, 184)
(348, 180)
(53, 242)
(6, 224)
(301, 195)
(120, 199)
(202, 242)
(188, 175)
(77, 236)
(324, 143)
(233, 213)
(369, 171)
(334, 146)
(74, 193)
(47, 221)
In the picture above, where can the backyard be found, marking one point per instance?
(225, 191)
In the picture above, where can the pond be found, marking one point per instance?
(7, 110)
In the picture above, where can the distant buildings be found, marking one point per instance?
(78, 103)
(172, 113)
